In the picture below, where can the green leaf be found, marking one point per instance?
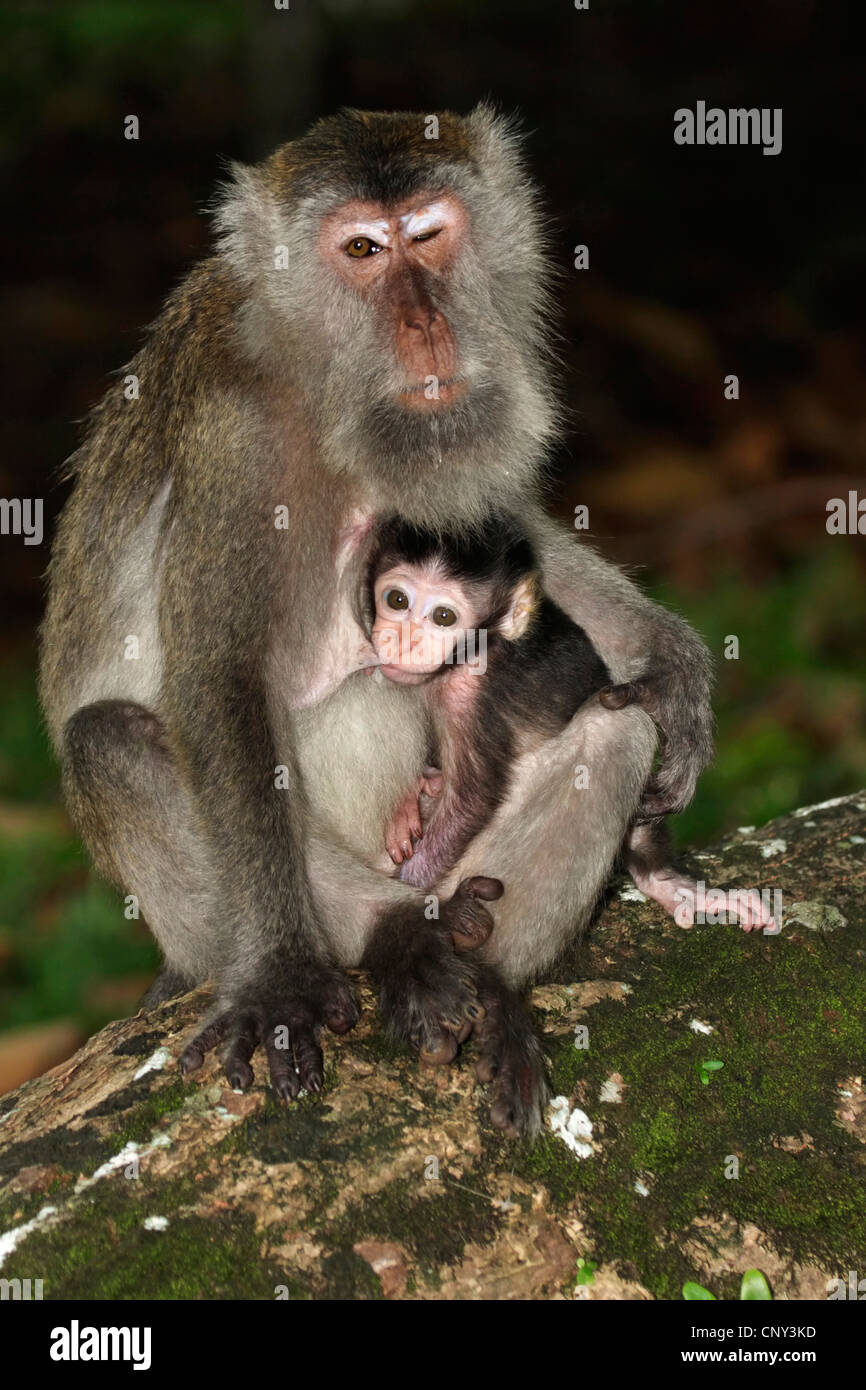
(755, 1286)
(696, 1293)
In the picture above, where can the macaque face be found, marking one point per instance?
(398, 258)
(421, 618)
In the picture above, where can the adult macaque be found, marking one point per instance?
(370, 336)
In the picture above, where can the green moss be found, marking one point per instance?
(788, 1026)
(143, 1110)
(104, 1252)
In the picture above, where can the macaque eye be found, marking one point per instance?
(362, 246)
(427, 236)
(396, 599)
(443, 617)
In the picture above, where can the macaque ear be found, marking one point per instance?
(523, 605)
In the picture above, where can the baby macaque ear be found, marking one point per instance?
(523, 605)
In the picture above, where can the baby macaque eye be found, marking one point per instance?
(396, 599)
(443, 617)
(362, 246)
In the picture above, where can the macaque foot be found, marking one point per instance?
(511, 1060)
(684, 900)
(429, 996)
(286, 1022)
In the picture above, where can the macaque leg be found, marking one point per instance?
(553, 845)
(554, 842)
(131, 808)
(647, 855)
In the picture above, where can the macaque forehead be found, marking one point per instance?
(427, 228)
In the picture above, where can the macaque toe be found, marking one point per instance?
(511, 1062)
(284, 1078)
(239, 1074)
(485, 1067)
(205, 1041)
(191, 1059)
(439, 1052)
(309, 1061)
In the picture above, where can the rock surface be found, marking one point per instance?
(121, 1180)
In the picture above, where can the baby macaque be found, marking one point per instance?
(504, 669)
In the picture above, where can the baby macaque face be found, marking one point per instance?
(421, 618)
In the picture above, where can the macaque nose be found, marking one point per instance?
(420, 318)
(416, 645)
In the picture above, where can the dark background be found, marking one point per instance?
(703, 262)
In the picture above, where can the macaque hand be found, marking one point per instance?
(465, 915)
(404, 829)
(680, 707)
(285, 1016)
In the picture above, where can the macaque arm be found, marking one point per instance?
(643, 643)
(246, 783)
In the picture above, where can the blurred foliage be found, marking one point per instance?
(66, 949)
(791, 710)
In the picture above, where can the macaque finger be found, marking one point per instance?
(618, 696)
(432, 782)
(342, 1018)
(479, 886)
